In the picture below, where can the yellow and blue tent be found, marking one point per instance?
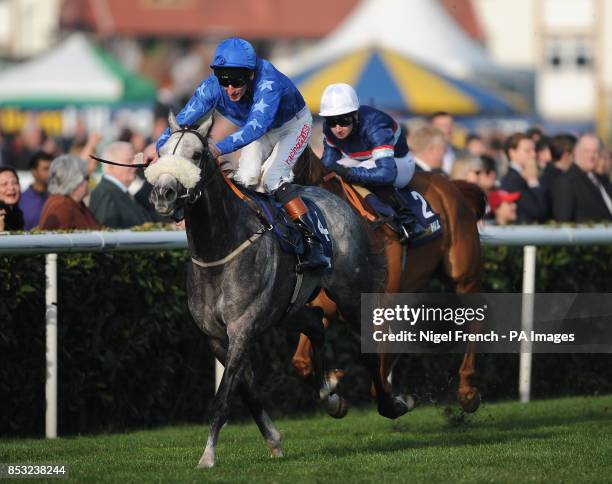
(390, 81)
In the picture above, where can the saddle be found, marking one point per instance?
(402, 207)
(391, 207)
(288, 235)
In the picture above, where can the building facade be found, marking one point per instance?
(27, 27)
(564, 42)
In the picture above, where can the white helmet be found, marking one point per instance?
(338, 99)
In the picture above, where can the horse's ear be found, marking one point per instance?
(172, 122)
(205, 126)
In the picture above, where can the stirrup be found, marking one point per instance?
(427, 231)
(404, 235)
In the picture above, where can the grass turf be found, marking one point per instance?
(567, 440)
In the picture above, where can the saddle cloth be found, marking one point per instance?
(420, 207)
(288, 235)
(408, 198)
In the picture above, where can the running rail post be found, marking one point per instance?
(529, 266)
(51, 355)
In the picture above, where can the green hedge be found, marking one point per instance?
(131, 356)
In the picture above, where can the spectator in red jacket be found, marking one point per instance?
(64, 209)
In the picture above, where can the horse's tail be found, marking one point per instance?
(474, 195)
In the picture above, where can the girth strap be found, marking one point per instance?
(233, 253)
(296, 291)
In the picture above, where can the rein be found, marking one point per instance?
(127, 165)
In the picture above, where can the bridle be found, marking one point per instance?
(192, 195)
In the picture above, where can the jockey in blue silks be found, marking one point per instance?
(367, 147)
(275, 127)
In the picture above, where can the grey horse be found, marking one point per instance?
(240, 282)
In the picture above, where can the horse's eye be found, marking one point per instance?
(197, 155)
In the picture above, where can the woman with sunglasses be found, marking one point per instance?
(367, 147)
(274, 128)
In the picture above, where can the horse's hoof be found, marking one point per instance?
(207, 460)
(401, 407)
(396, 408)
(409, 401)
(275, 446)
(302, 367)
(276, 453)
(470, 401)
(336, 406)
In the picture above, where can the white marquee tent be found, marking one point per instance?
(419, 29)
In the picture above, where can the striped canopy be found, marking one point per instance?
(390, 81)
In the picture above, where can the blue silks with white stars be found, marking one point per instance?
(271, 101)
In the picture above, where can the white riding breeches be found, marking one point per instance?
(405, 167)
(267, 162)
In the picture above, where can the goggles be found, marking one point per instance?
(233, 77)
(342, 121)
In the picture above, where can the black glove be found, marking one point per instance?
(342, 171)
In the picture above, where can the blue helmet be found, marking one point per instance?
(234, 52)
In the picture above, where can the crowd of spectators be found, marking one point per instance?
(532, 177)
(63, 175)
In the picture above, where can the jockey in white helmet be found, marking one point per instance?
(275, 126)
(365, 146)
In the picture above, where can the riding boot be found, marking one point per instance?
(315, 258)
(411, 228)
(298, 212)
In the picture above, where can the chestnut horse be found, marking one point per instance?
(456, 253)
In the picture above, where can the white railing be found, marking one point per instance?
(52, 244)
(98, 241)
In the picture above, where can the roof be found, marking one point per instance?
(463, 12)
(388, 80)
(255, 19)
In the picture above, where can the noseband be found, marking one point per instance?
(193, 194)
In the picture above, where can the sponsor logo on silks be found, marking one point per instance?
(302, 138)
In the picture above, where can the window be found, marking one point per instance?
(568, 53)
